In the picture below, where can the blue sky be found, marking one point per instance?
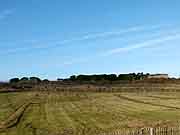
(58, 38)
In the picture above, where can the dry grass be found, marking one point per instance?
(88, 113)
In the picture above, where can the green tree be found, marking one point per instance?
(35, 80)
(14, 80)
(72, 78)
(24, 79)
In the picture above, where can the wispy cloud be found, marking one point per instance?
(144, 44)
(147, 43)
(110, 33)
(5, 13)
(103, 35)
(107, 34)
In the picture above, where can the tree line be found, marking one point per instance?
(108, 77)
(95, 77)
(25, 80)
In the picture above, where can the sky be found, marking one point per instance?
(58, 38)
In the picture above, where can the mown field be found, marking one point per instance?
(85, 113)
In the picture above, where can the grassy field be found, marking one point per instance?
(51, 113)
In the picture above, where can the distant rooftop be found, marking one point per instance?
(166, 76)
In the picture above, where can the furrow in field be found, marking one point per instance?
(14, 118)
(104, 115)
(147, 103)
(169, 100)
(164, 98)
(56, 117)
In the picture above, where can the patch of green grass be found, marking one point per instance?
(90, 113)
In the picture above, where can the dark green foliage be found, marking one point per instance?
(132, 76)
(72, 78)
(14, 80)
(46, 80)
(87, 78)
(24, 79)
(110, 77)
(59, 79)
(35, 80)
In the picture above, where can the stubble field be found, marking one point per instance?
(80, 113)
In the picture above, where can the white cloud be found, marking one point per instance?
(110, 33)
(144, 44)
(5, 13)
(83, 38)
